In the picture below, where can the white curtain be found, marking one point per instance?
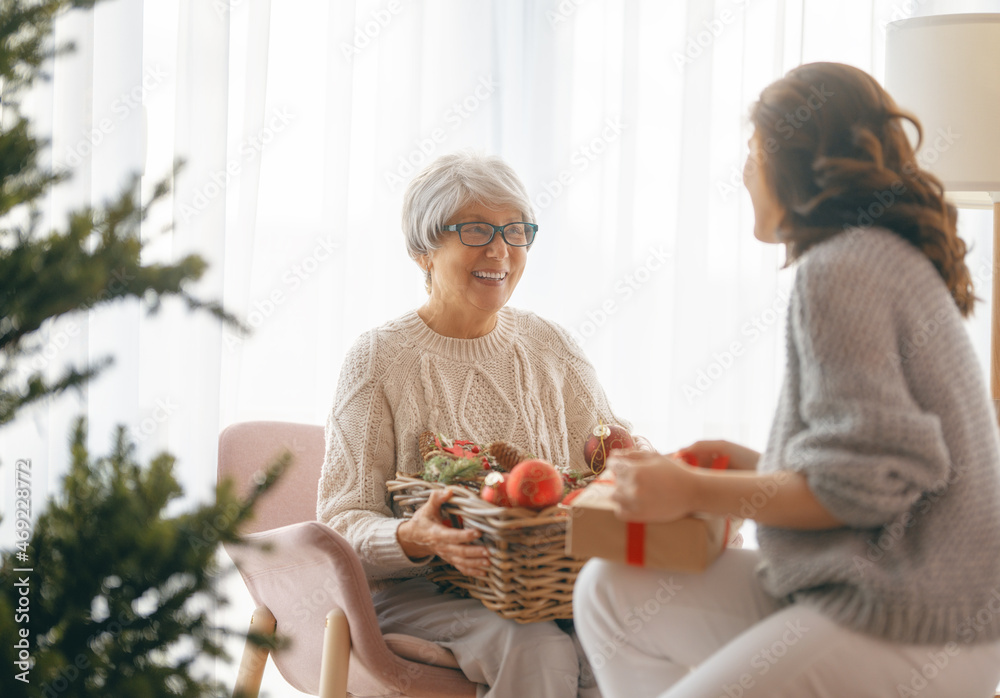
(301, 122)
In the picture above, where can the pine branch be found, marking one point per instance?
(95, 260)
(120, 587)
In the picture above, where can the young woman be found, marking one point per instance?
(878, 496)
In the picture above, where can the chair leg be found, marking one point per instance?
(336, 656)
(254, 657)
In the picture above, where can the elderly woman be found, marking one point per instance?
(465, 365)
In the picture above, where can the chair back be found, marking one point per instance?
(305, 568)
(248, 448)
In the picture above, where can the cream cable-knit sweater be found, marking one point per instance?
(885, 411)
(526, 382)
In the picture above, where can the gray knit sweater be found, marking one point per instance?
(885, 411)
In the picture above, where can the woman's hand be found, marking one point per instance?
(651, 487)
(740, 457)
(425, 534)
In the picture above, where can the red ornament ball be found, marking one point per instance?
(604, 438)
(534, 484)
(495, 490)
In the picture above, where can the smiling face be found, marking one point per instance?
(767, 211)
(470, 284)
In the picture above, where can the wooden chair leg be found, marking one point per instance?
(254, 657)
(336, 656)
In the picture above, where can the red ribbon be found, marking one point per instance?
(635, 543)
(719, 462)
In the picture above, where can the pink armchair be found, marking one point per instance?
(309, 573)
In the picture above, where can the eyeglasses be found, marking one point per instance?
(480, 234)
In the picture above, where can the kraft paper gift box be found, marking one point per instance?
(686, 545)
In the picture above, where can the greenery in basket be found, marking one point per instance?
(448, 470)
(104, 594)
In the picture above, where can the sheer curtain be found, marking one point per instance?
(301, 122)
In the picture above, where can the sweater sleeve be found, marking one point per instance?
(360, 459)
(866, 448)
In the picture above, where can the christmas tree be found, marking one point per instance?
(94, 261)
(103, 594)
(119, 596)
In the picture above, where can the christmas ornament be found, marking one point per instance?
(534, 484)
(602, 440)
(495, 490)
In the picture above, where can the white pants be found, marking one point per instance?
(508, 659)
(719, 635)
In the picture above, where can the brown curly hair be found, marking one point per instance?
(834, 152)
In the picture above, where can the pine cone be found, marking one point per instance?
(425, 442)
(507, 455)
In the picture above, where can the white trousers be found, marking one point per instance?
(719, 635)
(508, 659)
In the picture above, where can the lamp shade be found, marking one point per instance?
(946, 71)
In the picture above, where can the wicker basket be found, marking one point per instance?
(530, 579)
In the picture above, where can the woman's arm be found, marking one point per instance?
(651, 487)
(353, 498)
(740, 457)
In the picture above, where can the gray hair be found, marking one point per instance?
(451, 182)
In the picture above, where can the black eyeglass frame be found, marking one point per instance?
(457, 227)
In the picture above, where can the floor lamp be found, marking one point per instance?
(946, 70)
